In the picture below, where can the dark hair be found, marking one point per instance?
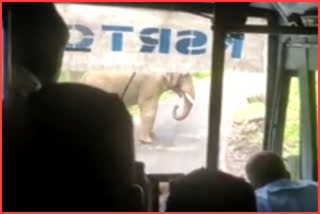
(77, 155)
(205, 190)
(265, 167)
(39, 35)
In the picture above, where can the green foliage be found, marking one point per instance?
(64, 77)
(201, 75)
(167, 95)
(292, 129)
(198, 79)
(250, 110)
(134, 110)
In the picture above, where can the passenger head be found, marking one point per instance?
(39, 36)
(205, 190)
(265, 167)
(78, 153)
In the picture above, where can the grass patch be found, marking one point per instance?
(167, 95)
(252, 109)
(64, 77)
(292, 129)
(201, 75)
(291, 142)
(134, 110)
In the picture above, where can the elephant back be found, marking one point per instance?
(115, 82)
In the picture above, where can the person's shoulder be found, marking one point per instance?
(273, 186)
(288, 185)
(307, 184)
(303, 183)
(262, 201)
(262, 193)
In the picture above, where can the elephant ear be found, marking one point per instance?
(172, 79)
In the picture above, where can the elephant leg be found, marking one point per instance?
(153, 135)
(148, 109)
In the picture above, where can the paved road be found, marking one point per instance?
(180, 146)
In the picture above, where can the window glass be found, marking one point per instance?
(291, 143)
(244, 99)
(154, 60)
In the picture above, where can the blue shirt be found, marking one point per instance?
(288, 196)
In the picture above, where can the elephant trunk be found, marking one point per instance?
(188, 100)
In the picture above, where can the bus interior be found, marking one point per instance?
(250, 80)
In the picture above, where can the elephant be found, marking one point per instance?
(144, 89)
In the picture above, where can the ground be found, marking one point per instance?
(181, 146)
(245, 139)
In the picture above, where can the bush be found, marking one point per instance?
(64, 77)
(292, 129)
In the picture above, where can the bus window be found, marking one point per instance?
(159, 64)
(291, 143)
(243, 110)
(158, 49)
